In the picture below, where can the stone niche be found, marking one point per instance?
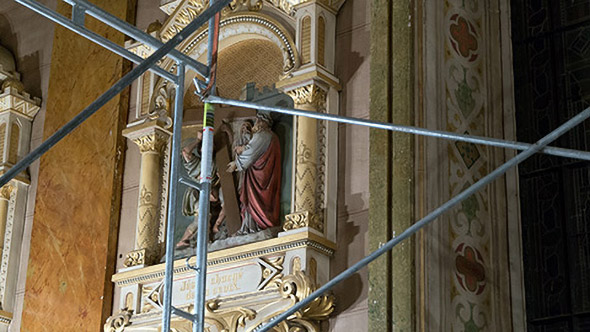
(250, 279)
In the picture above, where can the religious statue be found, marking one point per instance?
(191, 155)
(259, 159)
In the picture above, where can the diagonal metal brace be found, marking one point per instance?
(184, 314)
(190, 183)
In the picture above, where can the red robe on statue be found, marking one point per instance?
(261, 189)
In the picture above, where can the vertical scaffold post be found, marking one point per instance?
(172, 189)
(206, 177)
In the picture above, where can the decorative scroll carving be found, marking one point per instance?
(296, 287)
(302, 219)
(283, 5)
(311, 95)
(250, 5)
(6, 191)
(135, 257)
(186, 13)
(227, 319)
(153, 142)
(119, 322)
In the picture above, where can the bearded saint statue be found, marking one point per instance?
(259, 160)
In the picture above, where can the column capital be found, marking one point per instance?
(311, 94)
(150, 136)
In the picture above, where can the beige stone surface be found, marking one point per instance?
(352, 68)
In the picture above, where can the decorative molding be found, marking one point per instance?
(5, 317)
(11, 99)
(232, 255)
(7, 242)
(119, 322)
(302, 219)
(134, 258)
(311, 95)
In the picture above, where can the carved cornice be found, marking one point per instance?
(231, 255)
(302, 219)
(310, 95)
(6, 191)
(118, 322)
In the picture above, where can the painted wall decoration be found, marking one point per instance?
(466, 113)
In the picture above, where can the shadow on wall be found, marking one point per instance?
(29, 64)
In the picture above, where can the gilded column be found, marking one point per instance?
(309, 97)
(151, 139)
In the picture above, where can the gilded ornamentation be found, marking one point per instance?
(250, 5)
(298, 286)
(187, 11)
(153, 142)
(119, 322)
(273, 269)
(227, 320)
(6, 191)
(283, 5)
(302, 219)
(311, 95)
(135, 257)
(304, 154)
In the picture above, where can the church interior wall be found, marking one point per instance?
(352, 68)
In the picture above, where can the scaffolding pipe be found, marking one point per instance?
(137, 34)
(111, 92)
(534, 148)
(206, 177)
(172, 189)
(575, 154)
(100, 40)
